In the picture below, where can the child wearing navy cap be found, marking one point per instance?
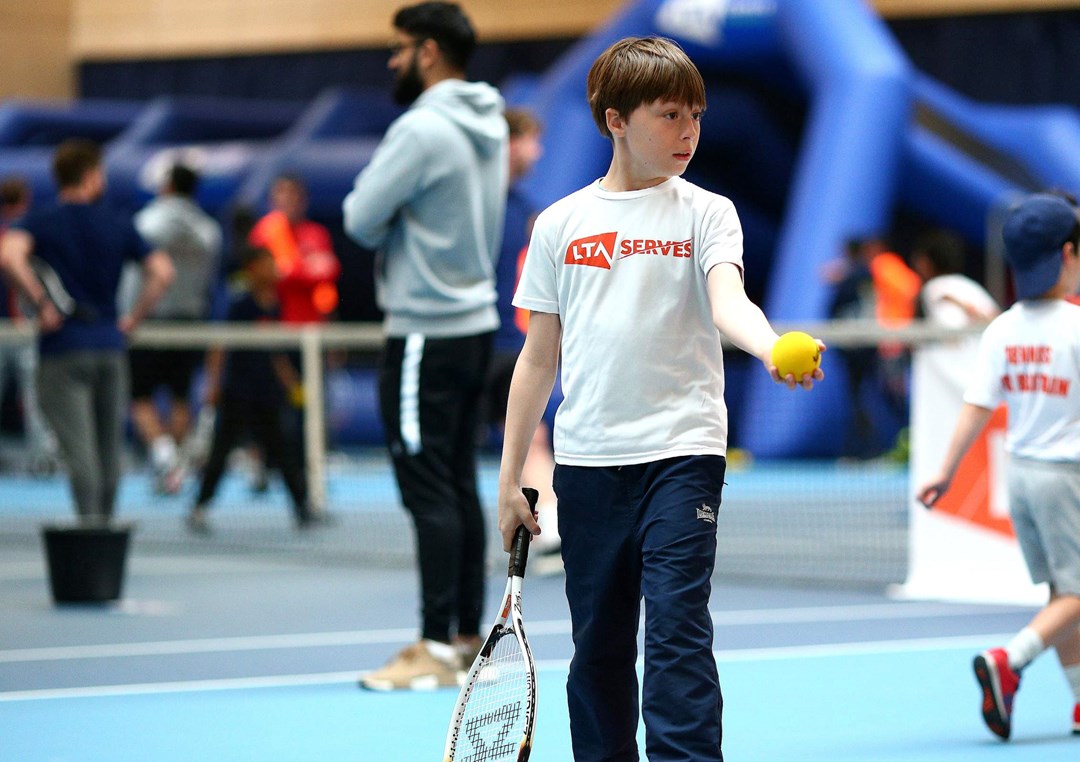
(1029, 359)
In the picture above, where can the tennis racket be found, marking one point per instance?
(496, 708)
(56, 293)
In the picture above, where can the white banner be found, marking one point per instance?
(965, 548)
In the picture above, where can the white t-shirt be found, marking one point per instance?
(642, 366)
(943, 296)
(1029, 358)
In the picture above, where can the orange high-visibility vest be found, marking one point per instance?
(896, 287)
(277, 232)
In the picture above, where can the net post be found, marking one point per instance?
(314, 418)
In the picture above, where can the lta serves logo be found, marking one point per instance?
(594, 251)
(600, 250)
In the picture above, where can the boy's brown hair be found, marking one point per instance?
(73, 159)
(639, 70)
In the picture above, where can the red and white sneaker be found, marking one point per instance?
(1076, 720)
(999, 683)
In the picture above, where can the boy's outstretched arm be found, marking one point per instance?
(745, 324)
(530, 388)
(972, 420)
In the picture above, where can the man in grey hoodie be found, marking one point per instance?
(431, 203)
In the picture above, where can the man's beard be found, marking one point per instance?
(408, 85)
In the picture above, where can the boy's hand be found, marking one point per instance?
(513, 512)
(807, 380)
(791, 380)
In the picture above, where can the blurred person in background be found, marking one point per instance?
(948, 297)
(66, 259)
(431, 203)
(873, 282)
(1029, 360)
(308, 271)
(249, 389)
(303, 253)
(174, 223)
(21, 359)
(525, 150)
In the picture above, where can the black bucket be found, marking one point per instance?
(86, 562)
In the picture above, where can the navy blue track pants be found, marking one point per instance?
(630, 534)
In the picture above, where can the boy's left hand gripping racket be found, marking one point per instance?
(496, 709)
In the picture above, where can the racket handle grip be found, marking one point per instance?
(519, 550)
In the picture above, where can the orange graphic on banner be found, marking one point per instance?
(969, 496)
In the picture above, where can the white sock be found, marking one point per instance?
(163, 451)
(1023, 648)
(1072, 674)
(442, 651)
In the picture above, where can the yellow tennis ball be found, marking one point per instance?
(796, 353)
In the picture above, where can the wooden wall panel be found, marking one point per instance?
(35, 49)
(105, 29)
(931, 8)
(159, 28)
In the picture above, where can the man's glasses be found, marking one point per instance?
(396, 48)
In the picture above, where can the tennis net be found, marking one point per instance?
(820, 518)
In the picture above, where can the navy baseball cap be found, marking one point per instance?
(1034, 233)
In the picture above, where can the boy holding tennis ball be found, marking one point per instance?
(629, 280)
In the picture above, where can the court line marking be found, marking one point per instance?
(862, 648)
(30, 570)
(741, 618)
(209, 645)
(181, 686)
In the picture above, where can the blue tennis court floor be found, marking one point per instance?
(249, 657)
(882, 702)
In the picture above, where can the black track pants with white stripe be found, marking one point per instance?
(429, 391)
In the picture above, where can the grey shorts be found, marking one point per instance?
(1044, 500)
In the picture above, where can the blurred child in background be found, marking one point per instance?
(1029, 359)
(250, 388)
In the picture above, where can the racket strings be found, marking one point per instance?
(493, 723)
